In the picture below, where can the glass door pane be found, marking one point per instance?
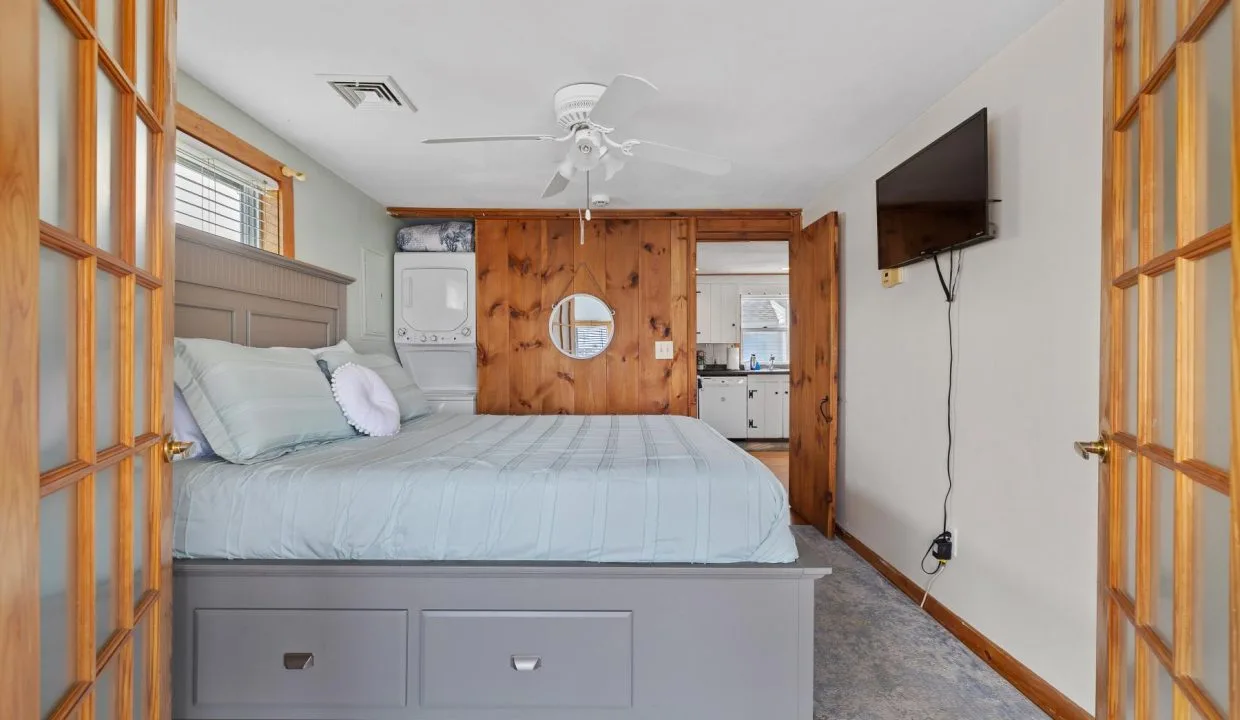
(105, 555)
(142, 195)
(1128, 523)
(1163, 383)
(57, 597)
(1164, 27)
(1214, 113)
(1131, 326)
(1132, 48)
(141, 669)
(108, 169)
(108, 27)
(58, 104)
(141, 522)
(1211, 534)
(107, 350)
(1164, 160)
(144, 46)
(1132, 194)
(1163, 554)
(1127, 668)
(57, 359)
(1213, 357)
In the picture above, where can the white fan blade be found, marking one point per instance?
(679, 157)
(556, 186)
(613, 162)
(621, 100)
(486, 138)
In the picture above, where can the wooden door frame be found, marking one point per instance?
(19, 357)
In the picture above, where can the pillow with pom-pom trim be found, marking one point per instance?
(366, 401)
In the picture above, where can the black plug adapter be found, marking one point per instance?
(942, 549)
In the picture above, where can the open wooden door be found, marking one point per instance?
(86, 148)
(1169, 528)
(813, 289)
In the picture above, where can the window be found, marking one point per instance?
(225, 198)
(764, 328)
(229, 188)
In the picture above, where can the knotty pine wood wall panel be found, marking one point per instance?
(639, 267)
(491, 257)
(622, 244)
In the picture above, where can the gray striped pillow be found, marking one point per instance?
(409, 396)
(254, 404)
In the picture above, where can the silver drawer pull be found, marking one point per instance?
(526, 663)
(298, 661)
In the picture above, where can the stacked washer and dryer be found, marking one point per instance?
(435, 317)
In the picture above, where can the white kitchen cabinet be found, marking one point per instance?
(725, 313)
(705, 332)
(768, 406)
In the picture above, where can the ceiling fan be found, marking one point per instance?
(590, 113)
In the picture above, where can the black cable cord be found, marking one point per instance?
(950, 284)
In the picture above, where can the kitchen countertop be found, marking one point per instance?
(724, 372)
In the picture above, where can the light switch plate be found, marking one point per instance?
(663, 350)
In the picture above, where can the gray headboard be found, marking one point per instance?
(229, 291)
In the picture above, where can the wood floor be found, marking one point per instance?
(777, 461)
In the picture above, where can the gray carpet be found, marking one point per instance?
(877, 656)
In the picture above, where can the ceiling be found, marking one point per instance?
(718, 258)
(793, 92)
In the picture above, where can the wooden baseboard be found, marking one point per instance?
(1042, 693)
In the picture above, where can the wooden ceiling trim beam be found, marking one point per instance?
(571, 213)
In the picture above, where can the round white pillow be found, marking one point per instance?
(367, 402)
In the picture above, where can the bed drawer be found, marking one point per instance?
(300, 658)
(527, 659)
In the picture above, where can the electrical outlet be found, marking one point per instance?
(891, 278)
(664, 350)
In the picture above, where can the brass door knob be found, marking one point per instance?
(1098, 447)
(172, 448)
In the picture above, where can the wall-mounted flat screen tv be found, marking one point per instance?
(938, 199)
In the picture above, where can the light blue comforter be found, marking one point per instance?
(636, 488)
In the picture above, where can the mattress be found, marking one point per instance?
(625, 489)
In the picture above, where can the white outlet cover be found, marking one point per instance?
(664, 350)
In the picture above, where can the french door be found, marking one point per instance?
(85, 247)
(1170, 517)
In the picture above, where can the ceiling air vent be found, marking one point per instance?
(369, 92)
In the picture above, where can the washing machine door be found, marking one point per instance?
(435, 299)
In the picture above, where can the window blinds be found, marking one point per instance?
(219, 195)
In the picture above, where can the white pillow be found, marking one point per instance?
(185, 428)
(367, 402)
(342, 345)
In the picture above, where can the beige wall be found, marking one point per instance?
(335, 223)
(1028, 368)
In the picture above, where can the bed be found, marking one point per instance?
(473, 566)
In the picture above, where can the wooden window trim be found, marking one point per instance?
(205, 131)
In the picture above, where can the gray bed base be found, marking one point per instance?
(257, 640)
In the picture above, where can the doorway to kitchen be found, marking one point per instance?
(743, 346)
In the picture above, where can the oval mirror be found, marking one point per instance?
(581, 326)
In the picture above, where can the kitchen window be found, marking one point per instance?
(764, 328)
